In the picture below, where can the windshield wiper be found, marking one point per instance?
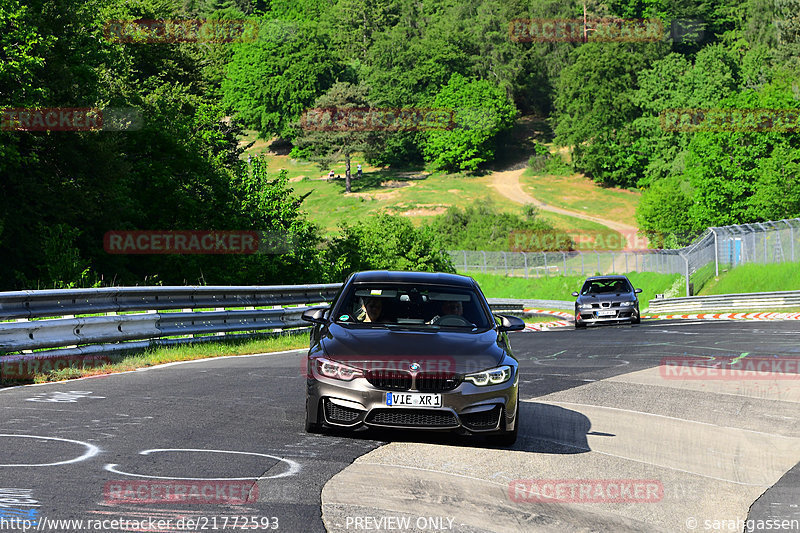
(411, 326)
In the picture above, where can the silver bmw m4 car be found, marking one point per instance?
(412, 350)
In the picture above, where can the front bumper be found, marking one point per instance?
(590, 316)
(467, 408)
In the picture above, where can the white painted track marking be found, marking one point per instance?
(91, 449)
(294, 467)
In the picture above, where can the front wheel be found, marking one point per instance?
(507, 438)
(312, 426)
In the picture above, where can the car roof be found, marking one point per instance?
(441, 278)
(595, 278)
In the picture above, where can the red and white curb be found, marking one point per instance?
(544, 326)
(559, 314)
(567, 320)
(730, 316)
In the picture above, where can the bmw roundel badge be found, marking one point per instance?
(415, 366)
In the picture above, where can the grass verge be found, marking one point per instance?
(171, 354)
(578, 193)
(753, 278)
(561, 287)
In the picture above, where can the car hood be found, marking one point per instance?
(377, 348)
(600, 298)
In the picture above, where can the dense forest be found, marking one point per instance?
(180, 168)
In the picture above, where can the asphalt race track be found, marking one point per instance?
(597, 410)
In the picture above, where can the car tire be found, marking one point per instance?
(507, 438)
(313, 426)
(638, 318)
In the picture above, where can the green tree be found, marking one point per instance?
(385, 242)
(480, 111)
(595, 108)
(485, 228)
(747, 175)
(663, 213)
(328, 147)
(674, 82)
(269, 83)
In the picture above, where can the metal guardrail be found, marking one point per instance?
(60, 302)
(726, 302)
(502, 304)
(46, 320)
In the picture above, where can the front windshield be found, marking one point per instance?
(606, 286)
(424, 306)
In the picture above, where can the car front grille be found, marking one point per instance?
(412, 418)
(389, 379)
(483, 420)
(436, 381)
(343, 415)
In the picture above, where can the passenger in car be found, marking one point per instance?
(371, 310)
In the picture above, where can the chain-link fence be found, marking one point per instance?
(546, 264)
(725, 246)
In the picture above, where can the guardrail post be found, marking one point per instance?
(583, 267)
(598, 261)
(565, 263)
(686, 272)
(466, 268)
(484, 261)
(716, 253)
(546, 274)
(525, 259)
(765, 240)
(505, 262)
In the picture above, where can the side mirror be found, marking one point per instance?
(575, 294)
(510, 323)
(637, 291)
(315, 315)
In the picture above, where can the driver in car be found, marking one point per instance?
(449, 307)
(453, 307)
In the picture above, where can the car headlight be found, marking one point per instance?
(626, 304)
(585, 306)
(334, 370)
(494, 376)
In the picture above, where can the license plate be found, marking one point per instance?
(413, 399)
(606, 313)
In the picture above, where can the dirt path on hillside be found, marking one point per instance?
(507, 184)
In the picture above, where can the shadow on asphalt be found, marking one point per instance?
(543, 428)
